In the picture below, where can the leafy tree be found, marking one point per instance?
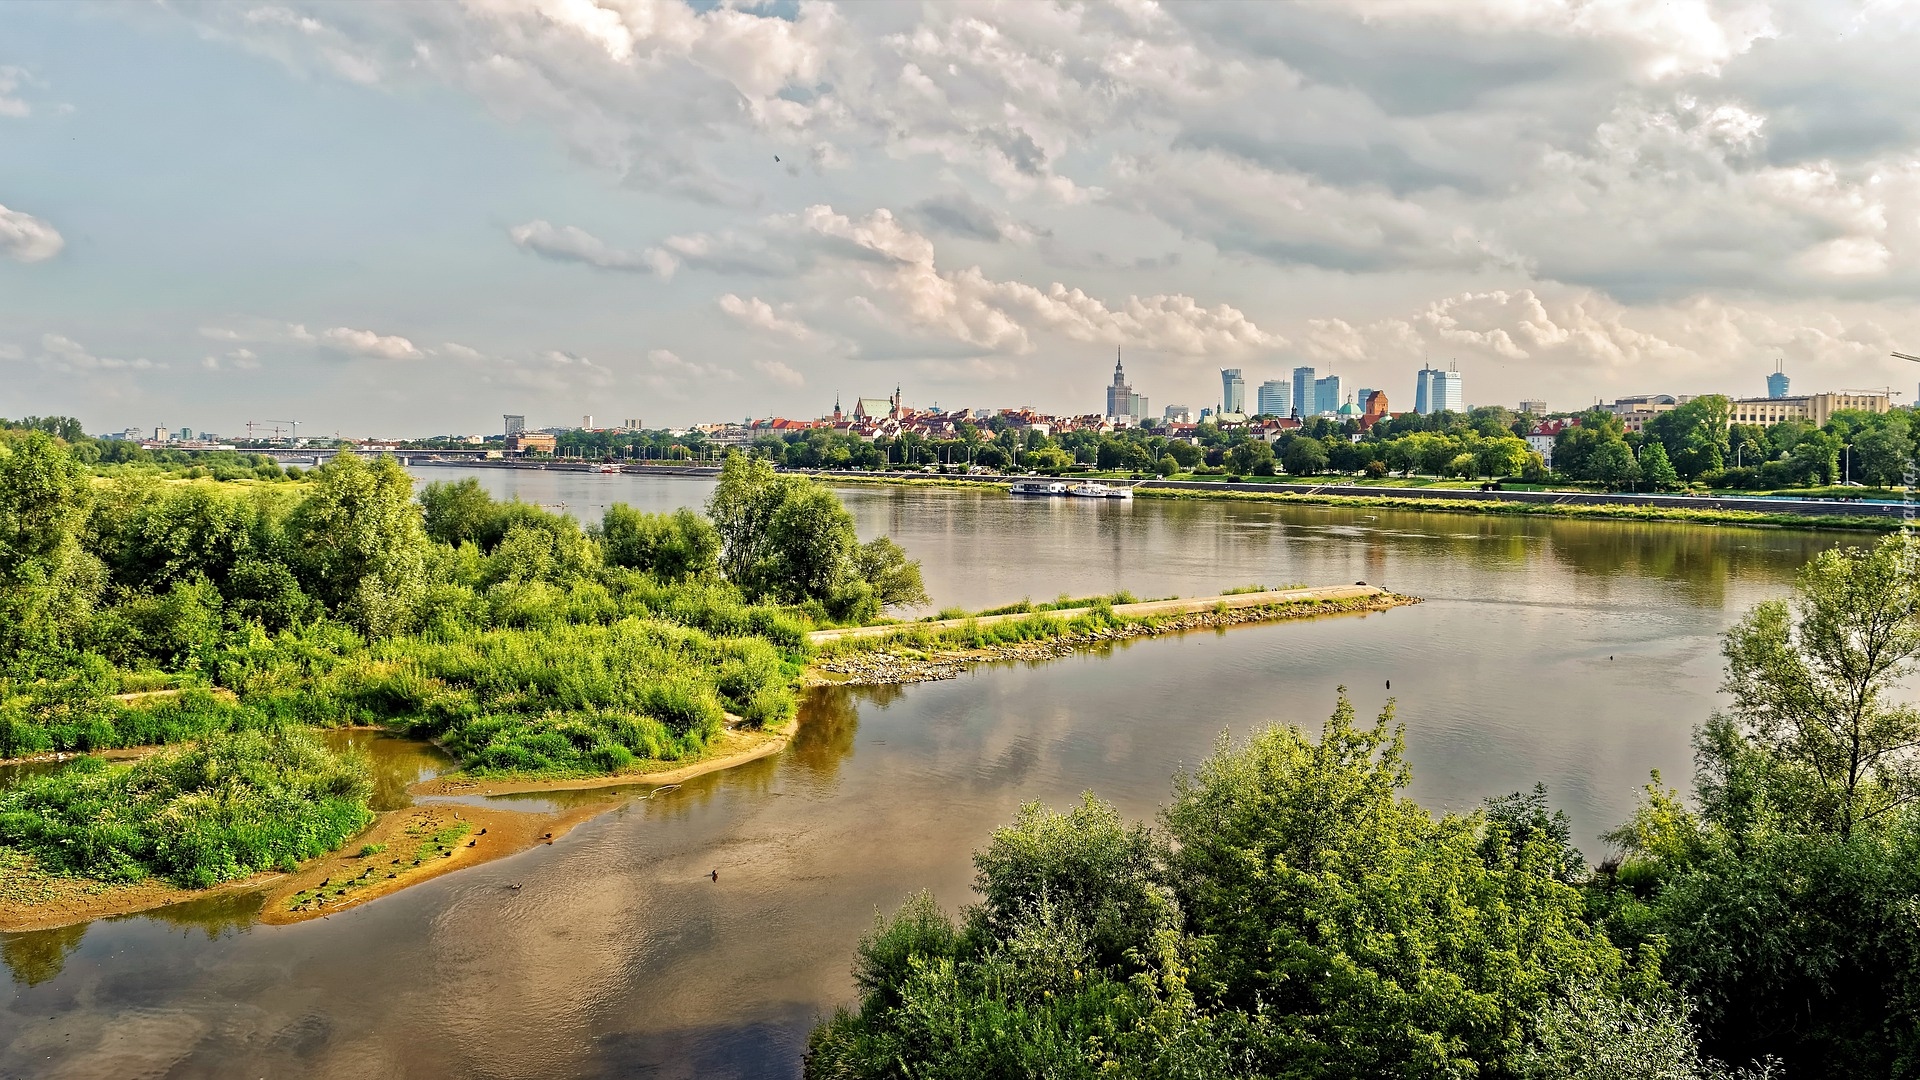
(1656, 471)
(742, 507)
(1500, 456)
(1187, 454)
(671, 547)
(1881, 456)
(1612, 464)
(1250, 455)
(458, 513)
(357, 543)
(787, 538)
(895, 578)
(1816, 733)
(48, 583)
(1306, 457)
(1817, 457)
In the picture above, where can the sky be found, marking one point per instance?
(409, 219)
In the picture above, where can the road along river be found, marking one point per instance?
(1579, 653)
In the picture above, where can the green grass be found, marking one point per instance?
(1614, 512)
(1038, 626)
(222, 809)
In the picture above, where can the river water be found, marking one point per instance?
(1577, 653)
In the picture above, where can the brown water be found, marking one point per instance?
(1579, 653)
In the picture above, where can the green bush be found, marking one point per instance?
(226, 807)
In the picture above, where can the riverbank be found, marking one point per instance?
(400, 849)
(1610, 511)
(1776, 512)
(734, 747)
(918, 654)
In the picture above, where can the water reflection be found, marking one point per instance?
(38, 955)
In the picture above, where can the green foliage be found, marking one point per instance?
(1817, 733)
(48, 584)
(1591, 1035)
(1305, 457)
(356, 543)
(671, 547)
(787, 539)
(1296, 917)
(221, 809)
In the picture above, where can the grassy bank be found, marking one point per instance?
(1391, 499)
(1615, 512)
(915, 653)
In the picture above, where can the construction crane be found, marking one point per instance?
(294, 424)
(1904, 356)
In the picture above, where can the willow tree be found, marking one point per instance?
(1815, 738)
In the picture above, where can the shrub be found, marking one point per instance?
(221, 809)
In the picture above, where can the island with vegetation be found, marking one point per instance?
(210, 627)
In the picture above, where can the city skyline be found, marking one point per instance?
(356, 218)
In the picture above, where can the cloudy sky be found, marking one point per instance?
(412, 218)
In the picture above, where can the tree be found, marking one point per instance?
(1590, 1035)
(895, 578)
(1656, 471)
(358, 544)
(810, 540)
(1502, 456)
(788, 539)
(1248, 457)
(1367, 930)
(1817, 457)
(671, 547)
(1881, 456)
(1187, 454)
(1306, 457)
(742, 508)
(1612, 464)
(1813, 731)
(47, 582)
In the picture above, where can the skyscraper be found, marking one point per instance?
(1423, 390)
(1447, 396)
(1276, 398)
(1777, 382)
(1303, 392)
(515, 424)
(1326, 395)
(1120, 396)
(1233, 391)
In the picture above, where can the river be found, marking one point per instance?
(1573, 652)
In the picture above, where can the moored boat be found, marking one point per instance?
(1094, 489)
(1037, 487)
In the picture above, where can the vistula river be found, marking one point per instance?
(1577, 653)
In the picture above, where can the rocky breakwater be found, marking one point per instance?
(908, 658)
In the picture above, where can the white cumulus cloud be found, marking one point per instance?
(368, 344)
(25, 238)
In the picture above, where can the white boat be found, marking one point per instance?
(609, 468)
(1038, 487)
(1094, 489)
